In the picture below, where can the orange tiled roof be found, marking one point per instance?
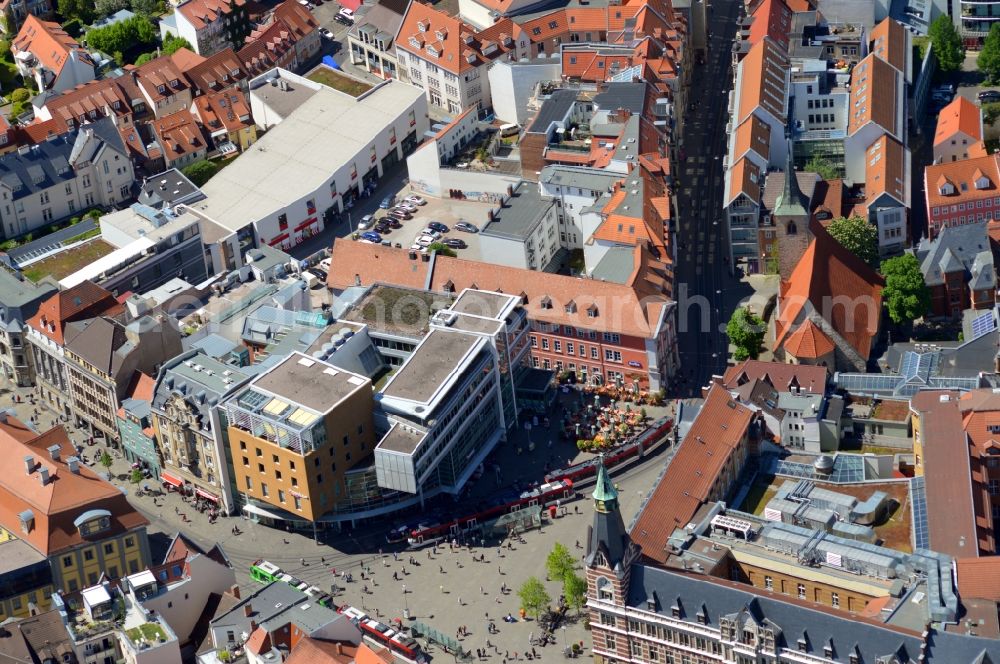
(81, 302)
(874, 95)
(960, 174)
(178, 135)
(48, 42)
(58, 503)
(160, 78)
(449, 43)
(959, 117)
(885, 169)
(808, 342)
(744, 179)
(201, 13)
(778, 375)
(715, 433)
(825, 276)
(223, 110)
(771, 18)
(221, 70)
(320, 651)
(889, 42)
(298, 19)
(581, 19)
(753, 134)
(185, 58)
(978, 578)
(105, 97)
(762, 80)
(632, 308)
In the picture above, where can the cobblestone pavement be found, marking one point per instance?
(464, 593)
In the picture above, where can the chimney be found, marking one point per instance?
(43, 475)
(29, 464)
(234, 590)
(253, 626)
(54, 452)
(247, 609)
(340, 648)
(73, 463)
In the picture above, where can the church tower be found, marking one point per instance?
(791, 221)
(610, 556)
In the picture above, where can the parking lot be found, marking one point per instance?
(445, 211)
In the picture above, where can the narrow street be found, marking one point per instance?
(701, 269)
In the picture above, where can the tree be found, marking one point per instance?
(441, 248)
(905, 293)
(575, 590)
(947, 44)
(200, 172)
(106, 460)
(172, 44)
(105, 8)
(559, 562)
(136, 476)
(857, 236)
(122, 36)
(146, 7)
(144, 58)
(989, 57)
(745, 331)
(533, 596)
(81, 9)
(822, 168)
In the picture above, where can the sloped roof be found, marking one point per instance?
(85, 300)
(201, 13)
(808, 342)
(65, 497)
(961, 174)
(689, 480)
(958, 245)
(178, 135)
(779, 375)
(761, 81)
(885, 170)
(48, 42)
(874, 96)
(978, 578)
(744, 178)
(959, 117)
(827, 276)
(772, 19)
(221, 70)
(752, 134)
(888, 41)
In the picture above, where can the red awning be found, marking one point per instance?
(167, 478)
(278, 240)
(206, 495)
(307, 222)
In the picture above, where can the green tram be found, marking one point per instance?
(265, 572)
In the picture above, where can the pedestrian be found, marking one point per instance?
(460, 603)
(533, 653)
(395, 576)
(177, 510)
(441, 569)
(442, 590)
(499, 571)
(481, 590)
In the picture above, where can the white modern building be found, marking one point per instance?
(323, 149)
(576, 189)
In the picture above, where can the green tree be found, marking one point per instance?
(441, 248)
(534, 597)
(857, 236)
(559, 562)
(575, 590)
(989, 57)
(144, 58)
(81, 9)
(822, 168)
(123, 36)
(905, 294)
(172, 44)
(200, 172)
(947, 44)
(106, 460)
(146, 7)
(105, 8)
(136, 476)
(745, 331)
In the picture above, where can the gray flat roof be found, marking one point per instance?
(481, 303)
(594, 179)
(622, 95)
(476, 324)
(519, 215)
(283, 102)
(616, 266)
(15, 554)
(308, 382)
(401, 439)
(554, 109)
(430, 365)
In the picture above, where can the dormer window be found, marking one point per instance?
(442, 33)
(947, 189)
(571, 307)
(27, 519)
(489, 48)
(433, 50)
(982, 182)
(415, 42)
(605, 593)
(546, 302)
(174, 83)
(592, 311)
(423, 26)
(162, 89)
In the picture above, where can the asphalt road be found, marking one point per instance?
(701, 269)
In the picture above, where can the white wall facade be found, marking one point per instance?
(512, 84)
(182, 602)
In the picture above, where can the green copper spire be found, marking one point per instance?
(605, 494)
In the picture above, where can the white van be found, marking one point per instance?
(509, 129)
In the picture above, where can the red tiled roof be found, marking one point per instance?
(719, 427)
(259, 642)
(224, 110)
(104, 98)
(48, 42)
(978, 578)
(762, 81)
(753, 134)
(771, 18)
(201, 13)
(744, 179)
(185, 58)
(874, 95)
(81, 302)
(778, 375)
(885, 169)
(808, 342)
(58, 503)
(161, 72)
(320, 651)
(959, 118)
(889, 42)
(178, 135)
(827, 276)
(960, 174)
(221, 70)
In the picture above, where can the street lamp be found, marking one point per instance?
(406, 606)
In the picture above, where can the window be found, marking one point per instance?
(47, 214)
(129, 542)
(769, 583)
(557, 346)
(249, 483)
(298, 502)
(282, 222)
(109, 549)
(612, 355)
(835, 600)
(281, 495)
(612, 338)
(545, 344)
(534, 341)
(263, 489)
(88, 555)
(801, 590)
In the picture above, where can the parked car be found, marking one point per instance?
(382, 229)
(415, 200)
(454, 243)
(945, 87)
(466, 227)
(366, 222)
(326, 34)
(400, 213)
(342, 19)
(989, 96)
(320, 274)
(391, 222)
(325, 264)
(425, 240)
(409, 207)
(432, 233)
(372, 237)
(437, 226)
(346, 13)
(387, 202)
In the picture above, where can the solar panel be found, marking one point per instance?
(858, 382)
(918, 502)
(983, 324)
(847, 468)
